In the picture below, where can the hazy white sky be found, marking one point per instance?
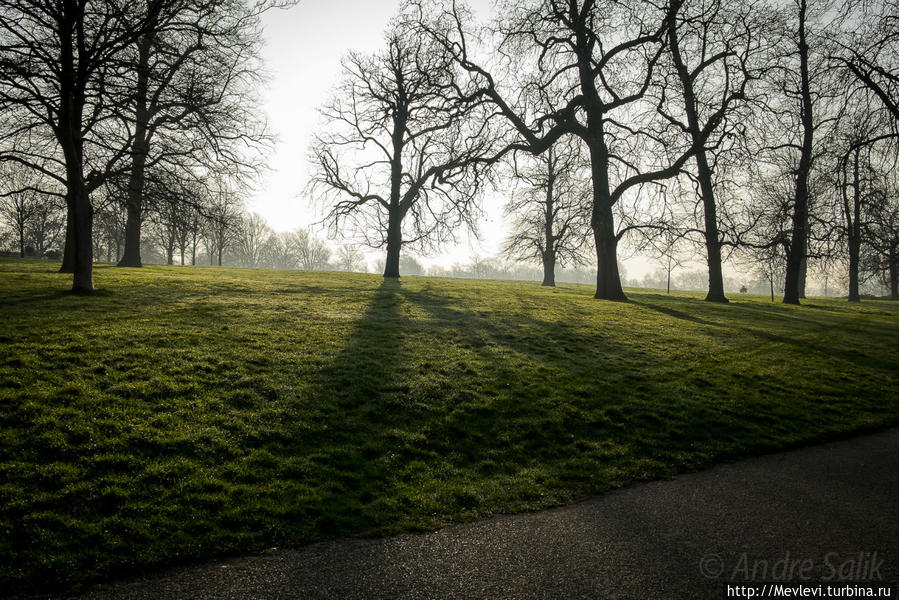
(303, 50)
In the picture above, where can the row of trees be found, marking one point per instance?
(758, 130)
(147, 104)
(224, 234)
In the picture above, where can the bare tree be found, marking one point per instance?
(804, 105)
(551, 210)
(882, 231)
(20, 201)
(862, 148)
(350, 258)
(711, 45)
(253, 239)
(312, 253)
(109, 227)
(401, 163)
(667, 253)
(592, 63)
(192, 106)
(223, 217)
(46, 226)
(58, 60)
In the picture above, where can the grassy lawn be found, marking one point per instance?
(189, 412)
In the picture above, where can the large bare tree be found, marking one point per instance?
(192, 105)
(804, 102)
(404, 157)
(58, 63)
(590, 63)
(712, 48)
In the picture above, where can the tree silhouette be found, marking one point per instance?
(403, 161)
(591, 63)
(550, 210)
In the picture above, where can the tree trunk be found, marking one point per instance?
(69, 134)
(140, 150)
(394, 243)
(669, 276)
(131, 255)
(549, 254)
(21, 228)
(82, 281)
(713, 249)
(799, 241)
(894, 272)
(608, 281)
(704, 174)
(549, 269)
(394, 211)
(78, 198)
(854, 230)
(68, 249)
(854, 247)
(803, 274)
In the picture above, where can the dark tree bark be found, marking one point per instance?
(394, 244)
(549, 246)
(608, 280)
(853, 227)
(394, 209)
(894, 270)
(803, 275)
(549, 269)
(68, 248)
(21, 229)
(140, 149)
(799, 241)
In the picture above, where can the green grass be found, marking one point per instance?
(187, 412)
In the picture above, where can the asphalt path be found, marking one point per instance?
(823, 513)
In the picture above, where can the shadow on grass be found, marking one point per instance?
(677, 314)
(744, 317)
(410, 445)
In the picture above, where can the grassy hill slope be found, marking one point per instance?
(188, 412)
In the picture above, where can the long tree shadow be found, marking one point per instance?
(677, 314)
(745, 318)
(422, 412)
(364, 404)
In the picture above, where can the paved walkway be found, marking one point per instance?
(836, 505)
